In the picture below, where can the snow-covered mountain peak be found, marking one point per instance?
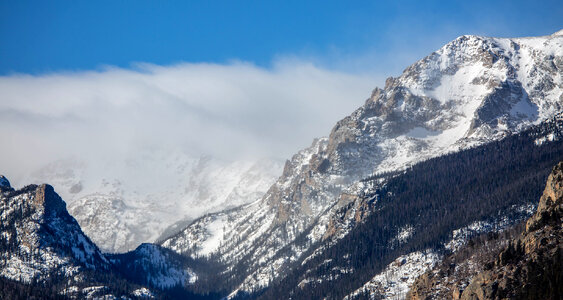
(471, 91)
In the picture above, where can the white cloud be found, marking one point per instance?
(231, 111)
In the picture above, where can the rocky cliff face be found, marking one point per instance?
(471, 91)
(40, 237)
(529, 267)
(43, 245)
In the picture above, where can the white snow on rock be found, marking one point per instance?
(395, 280)
(160, 270)
(462, 235)
(143, 293)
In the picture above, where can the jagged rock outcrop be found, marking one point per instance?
(42, 245)
(4, 183)
(40, 241)
(532, 266)
(550, 208)
(40, 237)
(529, 267)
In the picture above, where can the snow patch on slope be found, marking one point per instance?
(395, 280)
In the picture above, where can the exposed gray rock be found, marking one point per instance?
(469, 92)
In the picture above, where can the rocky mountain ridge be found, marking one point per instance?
(45, 238)
(423, 213)
(119, 209)
(43, 245)
(471, 91)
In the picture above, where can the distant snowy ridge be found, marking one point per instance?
(121, 205)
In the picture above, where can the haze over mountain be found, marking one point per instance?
(142, 141)
(232, 111)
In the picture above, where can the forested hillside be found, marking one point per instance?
(488, 183)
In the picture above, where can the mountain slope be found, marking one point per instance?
(472, 91)
(419, 215)
(121, 204)
(43, 247)
(39, 236)
(530, 266)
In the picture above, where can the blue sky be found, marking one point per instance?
(41, 37)
(231, 79)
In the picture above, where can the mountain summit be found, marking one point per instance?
(471, 91)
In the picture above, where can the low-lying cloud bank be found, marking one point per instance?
(232, 111)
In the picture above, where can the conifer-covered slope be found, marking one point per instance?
(472, 91)
(528, 266)
(425, 212)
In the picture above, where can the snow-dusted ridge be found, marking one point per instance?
(471, 91)
(162, 267)
(43, 244)
(121, 209)
(46, 240)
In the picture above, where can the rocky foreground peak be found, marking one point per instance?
(40, 237)
(531, 267)
(550, 208)
(49, 201)
(43, 245)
